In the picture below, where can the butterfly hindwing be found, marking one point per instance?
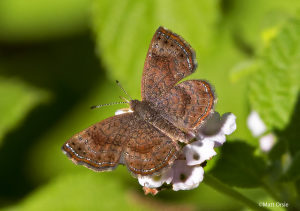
(183, 107)
(149, 150)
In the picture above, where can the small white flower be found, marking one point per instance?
(216, 127)
(186, 172)
(123, 111)
(199, 151)
(267, 142)
(229, 124)
(186, 177)
(255, 124)
(156, 180)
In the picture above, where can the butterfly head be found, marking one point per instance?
(134, 104)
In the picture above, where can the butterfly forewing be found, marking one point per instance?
(125, 139)
(169, 59)
(100, 146)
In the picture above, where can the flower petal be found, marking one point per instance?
(186, 177)
(210, 127)
(229, 124)
(219, 139)
(255, 124)
(199, 151)
(216, 127)
(156, 180)
(123, 111)
(267, 142)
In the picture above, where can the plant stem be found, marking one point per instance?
(285, 196)
(269, 190)
(221, 187)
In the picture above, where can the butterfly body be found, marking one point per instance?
(151, 116)
(146, 140)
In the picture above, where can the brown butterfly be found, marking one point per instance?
(146, 140)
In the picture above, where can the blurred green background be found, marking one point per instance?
(59, 57)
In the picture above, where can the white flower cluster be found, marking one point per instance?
(259, 129)
(186, 173)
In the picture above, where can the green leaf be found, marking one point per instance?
(243, 69)
(90, 191)
(248, 18)
(297, 184)
(293, 172)
(35, 20)
(274, 87)
(238, 166)
(124, 30)
(278, 150)
(289, 137)
(286, 151)
(17, 99)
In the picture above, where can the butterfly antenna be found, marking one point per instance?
(123, 98)
(123, 89)
(108, 104)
